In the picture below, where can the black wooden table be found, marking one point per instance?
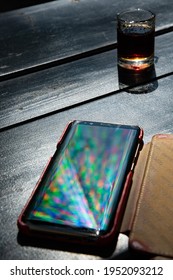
(58, 62)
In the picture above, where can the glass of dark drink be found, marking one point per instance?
(135, 37)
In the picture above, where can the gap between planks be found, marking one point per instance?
(20, 123)
(54, 63)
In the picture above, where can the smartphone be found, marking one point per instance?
(82, 193)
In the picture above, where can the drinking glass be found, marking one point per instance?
(135, 37)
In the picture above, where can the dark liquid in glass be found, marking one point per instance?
(135, 43)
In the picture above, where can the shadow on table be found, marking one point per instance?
(105, 253)
(64, 245)
(139, 82)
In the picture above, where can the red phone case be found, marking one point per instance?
(108, 240)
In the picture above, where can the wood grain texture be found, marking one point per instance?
(60, 87)
(50, 32)
(44, 45)
(26, 149)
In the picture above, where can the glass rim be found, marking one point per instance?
(151, 15)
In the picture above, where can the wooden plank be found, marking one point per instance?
(26, 149)
(16, 4)
(50, 32)
(60, 87)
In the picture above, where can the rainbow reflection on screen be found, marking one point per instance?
(83, 186)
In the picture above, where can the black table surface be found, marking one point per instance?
(58, 62)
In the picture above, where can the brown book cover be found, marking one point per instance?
(152, 225)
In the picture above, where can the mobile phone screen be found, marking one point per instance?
(82, 186)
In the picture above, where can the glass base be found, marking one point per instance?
(136, 63)
(143, 81)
